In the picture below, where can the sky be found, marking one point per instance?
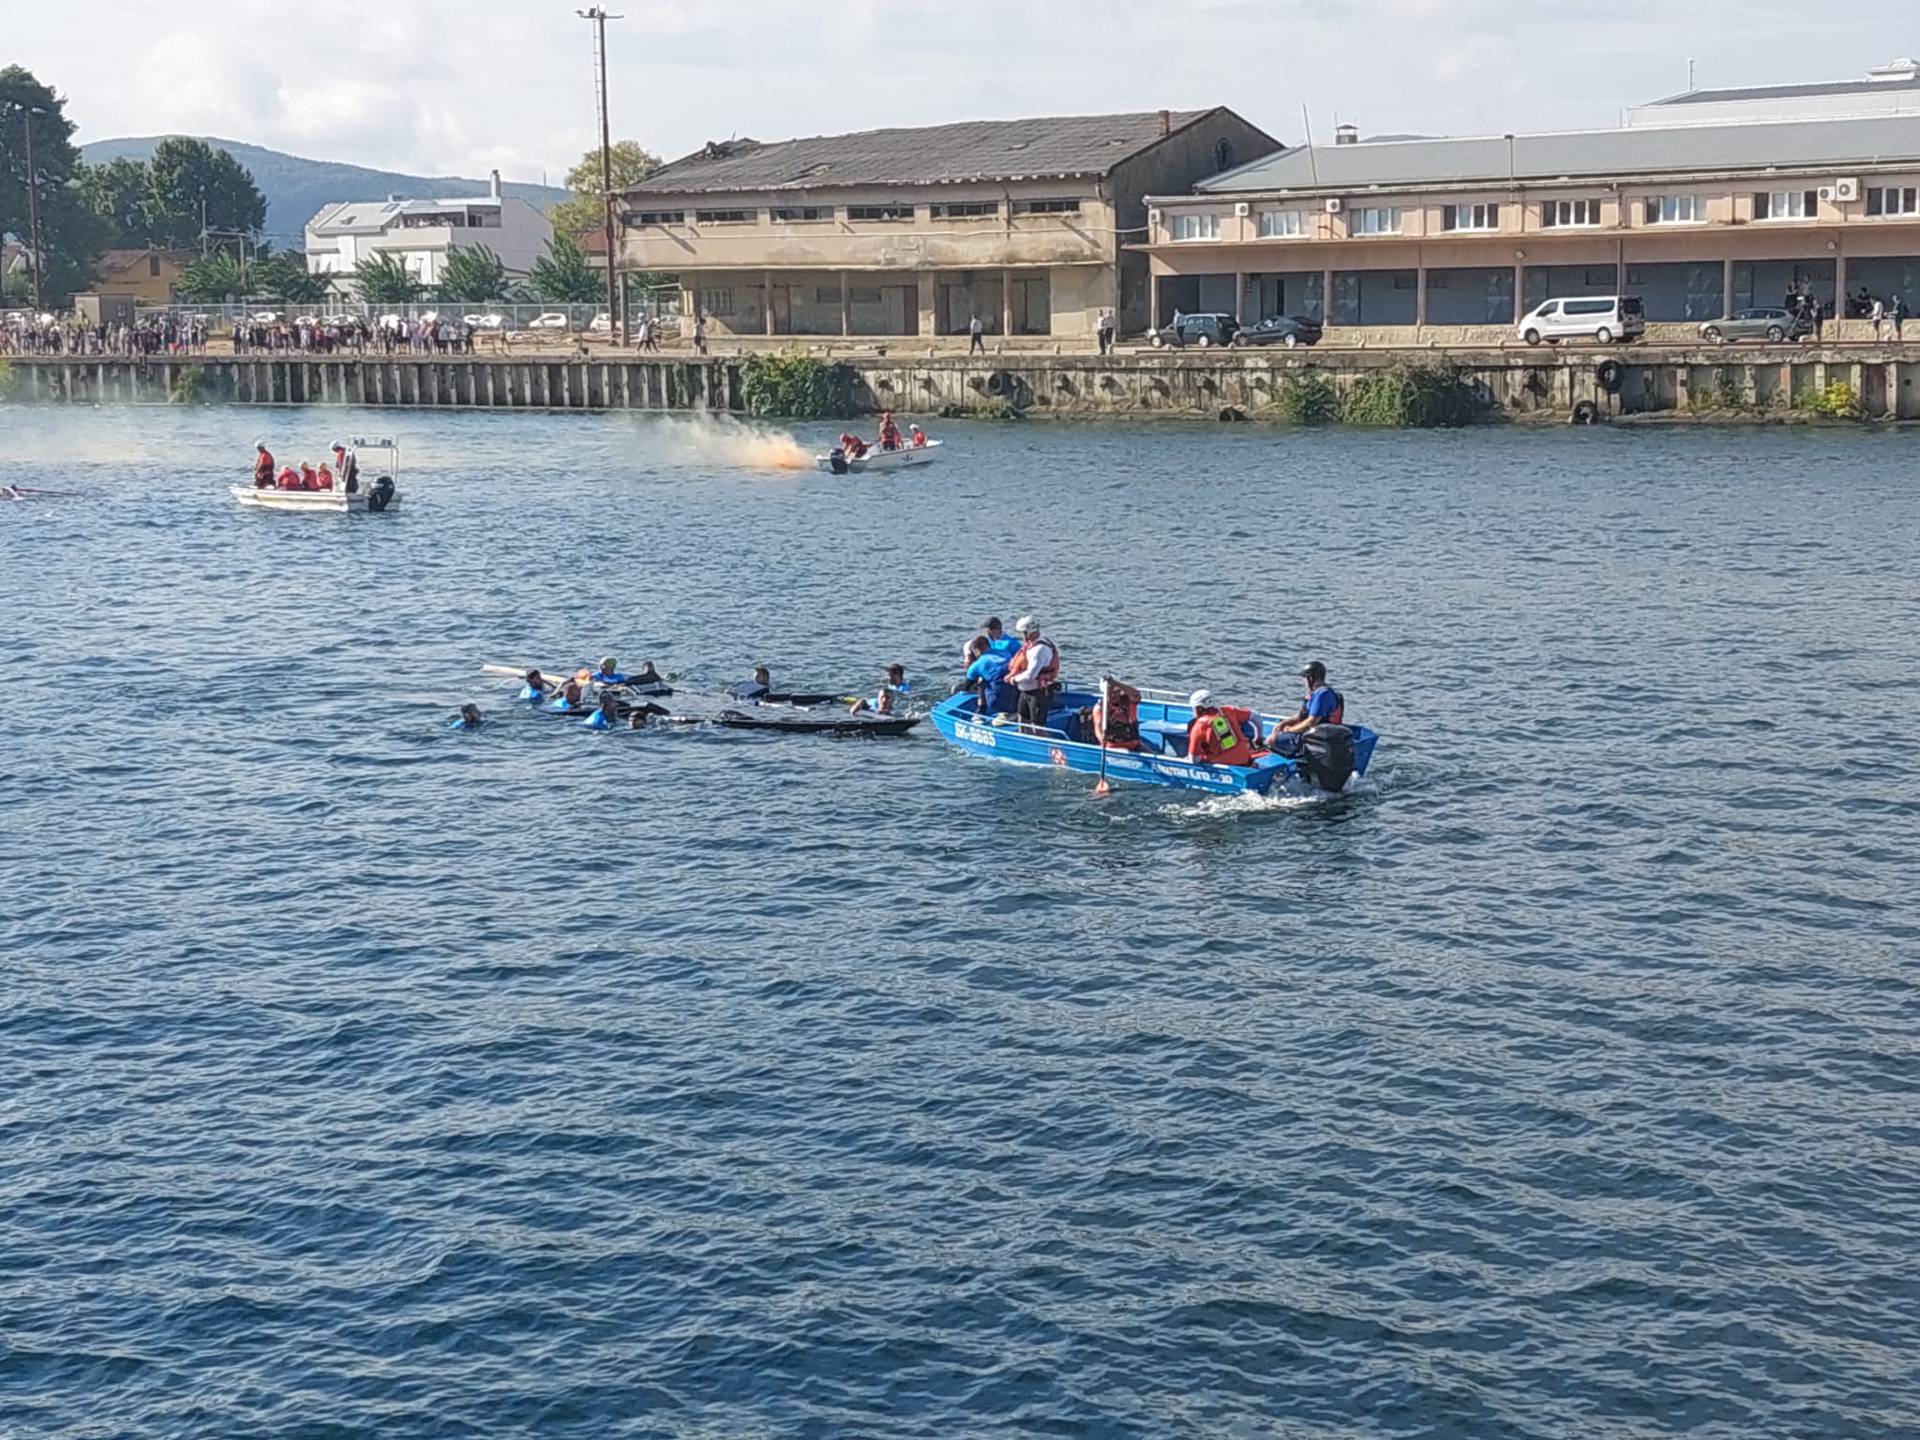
(463, 86)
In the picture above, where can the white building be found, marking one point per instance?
(421, 232)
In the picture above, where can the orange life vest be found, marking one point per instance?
(1122, 730)
(1216, 740)
(263, 469)
(1048, 675)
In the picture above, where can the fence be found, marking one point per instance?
(659, 304)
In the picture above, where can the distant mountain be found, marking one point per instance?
(297, 188)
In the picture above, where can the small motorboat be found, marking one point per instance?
(844, 725)
(370, 497)
(836, 462)
(1328, 757)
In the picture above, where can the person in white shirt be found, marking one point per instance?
(1035, 667)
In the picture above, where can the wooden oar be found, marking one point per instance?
(1100, 734)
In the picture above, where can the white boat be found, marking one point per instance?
(835, 461)
(373, 495)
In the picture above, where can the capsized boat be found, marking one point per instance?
(836, 462)
(367, 496)
(843, 725)
(1326, 760)
(584, 674)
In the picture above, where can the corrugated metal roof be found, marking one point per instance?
(1790, 92)
(1648, 150)
(935, 154)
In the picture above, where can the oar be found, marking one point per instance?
(1106, 714)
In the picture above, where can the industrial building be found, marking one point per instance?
(1022, 224)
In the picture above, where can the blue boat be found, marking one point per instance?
(1162, 756)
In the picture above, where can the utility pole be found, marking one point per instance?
(599, 18)
(33, 206)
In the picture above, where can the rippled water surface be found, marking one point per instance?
(362, 1077)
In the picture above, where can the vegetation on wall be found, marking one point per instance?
(1413, 397)
(1836, 400)
(796, 387)
(1306, 399)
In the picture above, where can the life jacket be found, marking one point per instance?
(1242, 721)
(1334, 715)
(919, 440)
(263, 469)
(1049, 673)
(890, 436)
(1120, 729)
(326, 479)
(1214, 740)
(289, 479)
(598, 721)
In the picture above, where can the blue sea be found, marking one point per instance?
(359, 1076)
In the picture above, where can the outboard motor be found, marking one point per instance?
(1325, 757)
(381, 495)
(837, 461)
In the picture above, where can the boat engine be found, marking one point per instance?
(837, 461)
(1325, 756)
(381, 495)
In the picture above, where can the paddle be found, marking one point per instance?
(1105, 712)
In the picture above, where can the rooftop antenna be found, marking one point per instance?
(1313, 165)
(1689, 74)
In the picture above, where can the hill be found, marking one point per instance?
(295, 188)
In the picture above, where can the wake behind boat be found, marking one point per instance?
(837, 462)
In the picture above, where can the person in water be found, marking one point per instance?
(1323, 705)
(639, 715)
(469, 718)
(536, 687)
(607, 715)
(757, 688)
(647, 675)
(262, 466)
(608, 674)
(569, 696)
(1215, 736)
(886, 699)
(889, 431)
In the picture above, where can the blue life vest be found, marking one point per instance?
(527, 692)
(610, 678)
(562, 707)
(459, 722)
(598, 721)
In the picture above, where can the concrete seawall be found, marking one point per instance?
(1204, 384)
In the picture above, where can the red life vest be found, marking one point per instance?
(325, 481)
(889, 436)
(1121, 729)
(289, 479)
(263, 469)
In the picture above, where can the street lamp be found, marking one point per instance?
(599, 18)
(33, 198)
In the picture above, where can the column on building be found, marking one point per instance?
(846, 307)
(1726, 286)
(766, 302)
(1240, 297)
(1420, 288)
(1326, 296)
(926, 297)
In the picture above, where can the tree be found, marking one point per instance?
(215, 277)
(116, 192)
(384, 279)
(582, 210)
(70, 234)
(287, 279)
(182, 174)
(472, 274)
(562, 274)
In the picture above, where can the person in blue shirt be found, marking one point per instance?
(469, 718)
(536, 689)
(987, 677)
(998, 641)
(1323, 706)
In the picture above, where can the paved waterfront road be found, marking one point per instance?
(361, 1077)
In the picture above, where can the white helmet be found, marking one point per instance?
(1199, 700)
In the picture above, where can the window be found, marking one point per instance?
(963, 209)
(1046, 207)
(1196, 227)
(826, 295)
(725, 217)
(1886, 200)
(801, 212)
(1569, 212)
(863, 295)
(153, 267)
(715, 302)
(1223, 154)
(880, 212)
(1469, 217)
(657, 217)
(1283, 224)
(1676, 209)
(484, 220)
(1375, 220)
(1588, 307)
(1786, 205)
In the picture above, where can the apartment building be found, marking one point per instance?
(1024, 224)
(421, 232)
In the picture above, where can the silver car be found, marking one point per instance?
(1774, 324)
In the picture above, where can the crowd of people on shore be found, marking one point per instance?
(354, 335)
(151, 335)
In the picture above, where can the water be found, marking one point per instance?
(358, 1076)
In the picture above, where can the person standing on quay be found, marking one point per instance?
(1897, 313)
(1877, 313)
(1105, 331)
(700, 334)
(976, 337)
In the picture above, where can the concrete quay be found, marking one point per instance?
(1549, 383)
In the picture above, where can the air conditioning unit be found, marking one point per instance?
(1333, 205)
(1153, 217)
(1242, 209)
(1826, 192)
(1846, 190)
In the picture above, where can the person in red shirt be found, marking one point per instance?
(262, 467)
(1213, 738)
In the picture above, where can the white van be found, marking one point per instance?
(1605, 318)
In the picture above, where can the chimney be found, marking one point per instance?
(1346, 134)
(1165, 117)
(493, 186)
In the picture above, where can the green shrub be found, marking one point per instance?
(1412, 397)
(1837, 400)
(8, 379)
(1306, 399)
(1724, 394)
(186, 385)
(796, 387)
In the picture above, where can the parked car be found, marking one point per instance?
(483, 322)
(601, 324)
(1200, 330)
(552, 320)
(265, 317)
(1605, 318)
(1763, 324)
(1287, 330)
